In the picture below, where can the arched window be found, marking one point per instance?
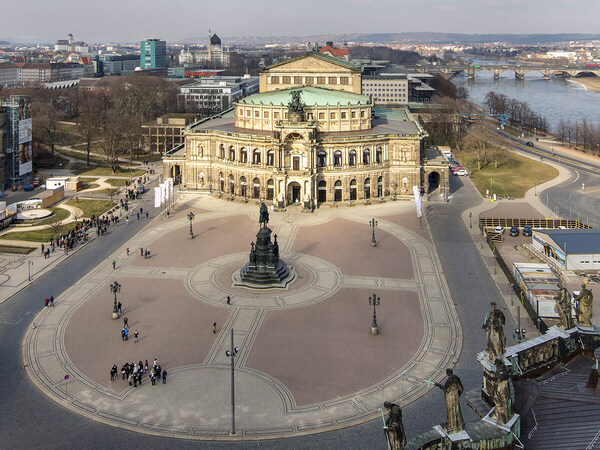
(378, 155)
(322, 194)
(353, 190)
(222, 151)
(366, 156)
(221, 182)
(243, 186)
(367, 188)
(231, 153)
(321, 159)
(231, 185)
(270, 158)
(256, 156)
(352, 157)
(380, 187)
(270, 189)
(256, 188)
(244, 155)
(337, 158)
(338, 191)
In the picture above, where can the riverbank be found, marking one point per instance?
(591, 83)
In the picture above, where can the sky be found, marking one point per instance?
(175, 20)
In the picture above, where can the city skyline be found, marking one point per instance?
(112, 20)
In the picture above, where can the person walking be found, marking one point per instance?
(52, 301)
(138, 215)
(123, 334)
(146, 366)
(135, 336)
(120, 307)
(46, 302)
(146, 215)
(164, 376)
(215, 328)
(42, 248)
(125, 324)
(228, 300)
(126, 334)
(127, 251)
(114, 264)
(141, 251)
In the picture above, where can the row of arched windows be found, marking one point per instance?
(246, 190)
(256, 155)
(353, 191)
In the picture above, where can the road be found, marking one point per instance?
(28, 418)
(568, 200)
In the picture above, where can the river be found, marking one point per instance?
(553, 99)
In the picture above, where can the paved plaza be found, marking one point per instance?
(307, 360)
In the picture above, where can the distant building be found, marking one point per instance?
(9, 75)
(215, 94)
(114, 64)
(153, 54)
(573, 249)
(213, 56)
(69, 45)
(331, 50)
(16, 154)
(166, 132)
(393, 89)
(34, 73)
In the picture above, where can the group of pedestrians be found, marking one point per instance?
(134, 373)
(125, 330)
(49, 301)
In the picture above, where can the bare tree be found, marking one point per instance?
(45, 120)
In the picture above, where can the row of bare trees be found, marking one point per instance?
(108, 120)
(581, 133)
(519, 112)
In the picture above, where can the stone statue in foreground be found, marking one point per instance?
(394, 429)
(563, 308)
(263, 219)
(453, 389)
(585, 302)
(494, 327)
(502, 395)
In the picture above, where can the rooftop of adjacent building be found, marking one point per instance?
(384, 121)
(576, 241)
(337, 52)
(310, 96)
(221, 80)
(331, 59)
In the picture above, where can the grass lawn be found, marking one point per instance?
(91, 207)
(38, 235)
(117, 182)
(88, 179)
(81, 156)
(107, 172)
(514, 177)
(16, 250)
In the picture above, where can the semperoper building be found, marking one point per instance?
(308, 137)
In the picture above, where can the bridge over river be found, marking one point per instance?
(519, 69)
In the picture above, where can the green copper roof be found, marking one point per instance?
(311, 96)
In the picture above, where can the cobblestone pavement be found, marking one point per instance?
(307, 361)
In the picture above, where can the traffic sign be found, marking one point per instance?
(66, 376)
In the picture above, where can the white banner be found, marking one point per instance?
(162, 192)
(417, 193)
(24, 131)
(157, 197)
(25, 168)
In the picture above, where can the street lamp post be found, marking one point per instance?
(191, 216)
(231, 354)
(114, 288)
(373, 224)
(29, 264)
(375, 301)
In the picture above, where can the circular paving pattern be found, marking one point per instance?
(316, 280)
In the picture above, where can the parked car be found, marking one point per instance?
(29, 187)
(514, 231)
(461, 172)
(141, 189)
(527, 230)
(529, 144)
(499, 229)
(36, 182)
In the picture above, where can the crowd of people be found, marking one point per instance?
(135, 372)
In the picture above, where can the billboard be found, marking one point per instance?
(24, 131)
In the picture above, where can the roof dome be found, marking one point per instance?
(215, 40)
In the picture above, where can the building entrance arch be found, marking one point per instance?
(433, 181)
(176, 173)
(294, 191)
(322, 194)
